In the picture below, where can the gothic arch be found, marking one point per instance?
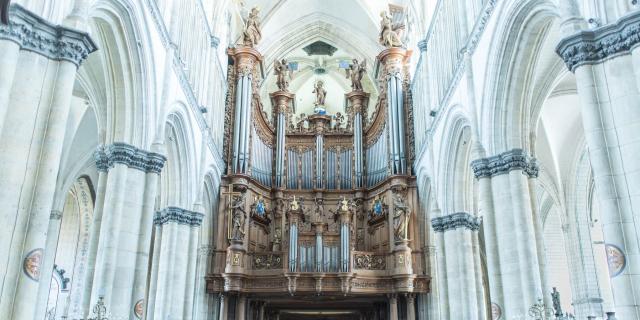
(117, 78)
(505, 113)
(176, 188)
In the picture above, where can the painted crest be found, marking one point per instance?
(32, 263)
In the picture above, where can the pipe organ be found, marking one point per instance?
(318, 208)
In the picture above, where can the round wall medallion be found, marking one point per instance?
(138, 308)
(496, 311)
(31, 264)
(616, 260)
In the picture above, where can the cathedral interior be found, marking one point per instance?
(320, 159)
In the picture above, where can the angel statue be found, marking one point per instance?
(321, 95)
(283, 74)
(4, 11)
(355, 72)
(401, 216)
(389, 32)
(251, 34)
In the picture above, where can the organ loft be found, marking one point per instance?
(318, 211)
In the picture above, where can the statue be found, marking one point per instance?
(319, 211)
(4, 11)
(401, 216)
(321, 95)
(356, 72)
(339, 120)
(344, 205)
(238, 218)
(377, 206)
(300, 123)
(555, 297)
(294, 205)
(390, 33)
(251, 34)
(277, 239)
(283, 74)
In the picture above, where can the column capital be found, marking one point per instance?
(281, 101)
(358, 100)
(215, 42)
(516, 159)
(35, 34)
(455, 221)
(107, 156)
(55, 215)
(422, 45)
(245, 59)
(393, 60)
(179, 216)
(590, 47)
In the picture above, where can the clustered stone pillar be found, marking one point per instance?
(358, 99)
(245, 61)
(606, 63)
(457, 241)
(31, 140)
(505, 204)
(393, 62)
(120, 246)
(173, 268)
(282, 100)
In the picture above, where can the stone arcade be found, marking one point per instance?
(319, 159)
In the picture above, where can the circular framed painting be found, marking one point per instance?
(31, 264)
(496, 311)
(138, 308)
(616, 260)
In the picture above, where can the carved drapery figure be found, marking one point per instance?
(283, 74)
(401, 216)
(294, 205)
(356, 72)
(389, 32)
(252, 33)
(238, 218)
(555, 297)
(319, 210)
(320, 92)
(4, 11)
(277, 240)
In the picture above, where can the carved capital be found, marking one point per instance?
(455, 221)
(107, 156)
(55, 215)
(179, 216)
(516, 159)
(357, 100)
(35, 34)
(245, 59)
(595, 46)
(281, 101)
(393, 60)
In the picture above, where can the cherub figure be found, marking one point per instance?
(339, 120)
(252, 34)
(283, 74)
(389, 32)
(356, 72)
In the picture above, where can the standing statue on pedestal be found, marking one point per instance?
(238, 218)
(401, 216)
(251, 34)
(321, 95)
(283, 74)
(555, 297)
(356, 72)
(389, 32)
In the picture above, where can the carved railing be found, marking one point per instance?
(267, 261)
(369, 261)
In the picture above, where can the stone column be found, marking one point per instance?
(393, 307)
(358, 100)
(282, 100)
(458, 232)
(512, 255)
(120, 275)
(32, 137)
(176, 229)
(411, 307)
(609, 93)
(241, 307)
(245, 60)
(393, 61)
